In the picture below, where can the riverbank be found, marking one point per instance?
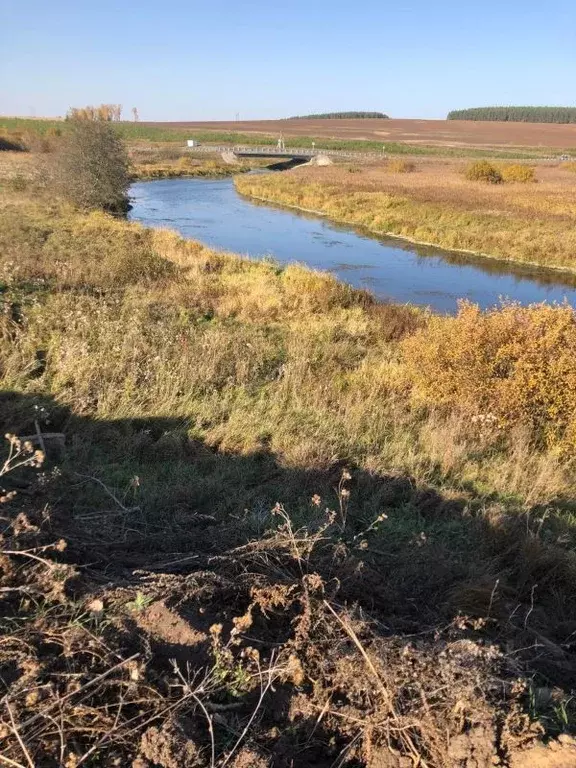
(436, 205)
(201, 171)
(394, 270)
(265, 492)
(161, 162)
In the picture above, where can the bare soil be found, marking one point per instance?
(447, 133)
(268, 654)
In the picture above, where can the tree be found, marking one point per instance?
(135, 114)
(517, 114)
(341, 116)
(105, 112)
(91, 168)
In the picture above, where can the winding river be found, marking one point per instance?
(210, 210)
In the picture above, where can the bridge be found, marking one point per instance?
(295, 153)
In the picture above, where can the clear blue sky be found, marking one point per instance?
(192, 60)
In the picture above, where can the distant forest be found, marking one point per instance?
(517, 114)
(340, 116)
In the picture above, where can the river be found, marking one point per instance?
(210, 210)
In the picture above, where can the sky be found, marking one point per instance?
(258, 59)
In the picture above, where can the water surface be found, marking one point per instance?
(212, 211)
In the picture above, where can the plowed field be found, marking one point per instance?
(453, 133)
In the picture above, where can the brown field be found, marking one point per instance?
(452, 133)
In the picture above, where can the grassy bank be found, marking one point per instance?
(436, 205)
(161, 161)
(259, 536)
(135, 132)
(164, 164)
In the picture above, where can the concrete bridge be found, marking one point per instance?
(295, 153)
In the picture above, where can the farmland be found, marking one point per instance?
(440, 133)
(441, 138)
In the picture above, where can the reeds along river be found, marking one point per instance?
(214, 213)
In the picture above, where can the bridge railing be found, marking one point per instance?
(268, 149)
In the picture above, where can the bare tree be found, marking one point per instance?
(135, 114)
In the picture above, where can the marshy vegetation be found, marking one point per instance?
(260, 519)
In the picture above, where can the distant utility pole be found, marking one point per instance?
(237, 116)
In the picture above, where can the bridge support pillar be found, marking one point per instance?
(320, 159)
(230, 158)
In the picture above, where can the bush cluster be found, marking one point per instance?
(512, 366)
(482, 170)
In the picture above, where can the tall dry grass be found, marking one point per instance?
(139, 323)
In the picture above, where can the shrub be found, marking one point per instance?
(512, 366)
(401, 166)
(92, 167)
(18, 183)
(53, 132)
(184, 162)
(482, 170)
(518, 174)
(11, 141)
(36, 142)
(569, 166)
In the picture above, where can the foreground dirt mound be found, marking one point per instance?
(557, 754)
(252, 658)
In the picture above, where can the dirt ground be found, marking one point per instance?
(243, 656)
(452, 133)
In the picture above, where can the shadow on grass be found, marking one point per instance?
(178, 537)
(146, 494)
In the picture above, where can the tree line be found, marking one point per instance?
(105, 113)
(340, 116)
(517, 114)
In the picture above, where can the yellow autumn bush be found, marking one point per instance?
(482, 170)
(511, 366)
(518, 174)
(399, 165)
